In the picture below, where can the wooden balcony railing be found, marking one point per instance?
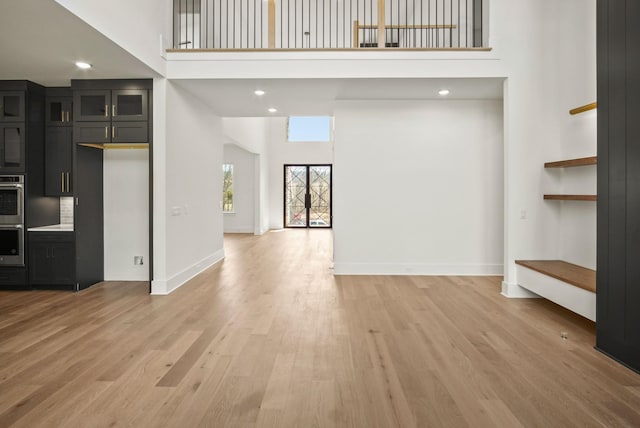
(328, 24)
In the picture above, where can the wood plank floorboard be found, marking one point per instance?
(270, 338)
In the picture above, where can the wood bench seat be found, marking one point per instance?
(566, 284)
(564, 271)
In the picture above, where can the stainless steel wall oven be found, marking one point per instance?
(12, 220)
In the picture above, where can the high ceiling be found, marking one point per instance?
(41, 41)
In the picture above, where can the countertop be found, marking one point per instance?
(52, 228)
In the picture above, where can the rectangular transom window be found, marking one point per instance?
(306, 129)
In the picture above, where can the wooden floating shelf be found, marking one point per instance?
(583, 108)
(591, 160)
(576, 275)
(571, 197)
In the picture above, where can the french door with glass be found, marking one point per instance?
(307, 196)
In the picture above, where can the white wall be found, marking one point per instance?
(136, 26)
(546, 51)
(418, 187)
(188, 186)
(283, 152)
(241, 220)
(550, 51)
(126, 214)
(250, 134)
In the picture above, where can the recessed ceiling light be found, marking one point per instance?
(83, 65)
(258, 92)
(443, 92)
(272, 110)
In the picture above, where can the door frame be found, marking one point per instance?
(284, 195)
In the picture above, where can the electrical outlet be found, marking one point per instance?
(138, 260)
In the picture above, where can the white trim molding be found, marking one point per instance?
(514, 291)
(162, 288)
(416, 269)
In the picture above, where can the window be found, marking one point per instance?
(310, 129)
(227, 188)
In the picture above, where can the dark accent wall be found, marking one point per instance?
(618, 270)
(89, 216)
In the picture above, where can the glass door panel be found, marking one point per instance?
(92, 106)
(307, 196)
(320, 192)
(130, 104)
(12, 148)
(12, 106)
(295, 209)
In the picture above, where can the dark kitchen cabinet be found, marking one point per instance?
(130, 105)
(111, 116)
(58, 141)
(117, 132)
(12, 148)
(58, 111)
(52, 258)
(12, 107)
(59, 161)
(92, 106)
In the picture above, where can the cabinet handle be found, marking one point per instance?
(68, 120)
(62, 118)
(106, 132)
(106, 110)
(113, 132)
(113, 110)
(68, 183)
(62, 182)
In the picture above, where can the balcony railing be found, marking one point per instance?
(328, 24)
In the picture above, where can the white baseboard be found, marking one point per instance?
(514, 291)
(574, 298)
(238, 230)
(415, 269)
(162, 288)
(134, 276)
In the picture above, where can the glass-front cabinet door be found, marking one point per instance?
(12, 106)
(130, 105)
(12, 148)
(58, 111)
(92, 106)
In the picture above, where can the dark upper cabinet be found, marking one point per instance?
(130, 105)
(12, 148)
(111, 116)
(130, 132)
(116, 132)
(58, 165)
(51, 258)
(116, 105)
(58, 111)
(12, 107)
(92, 106)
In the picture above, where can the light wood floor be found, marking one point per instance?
(269, 338)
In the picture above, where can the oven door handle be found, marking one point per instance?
(10, 186)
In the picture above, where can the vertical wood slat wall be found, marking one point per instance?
(618, 248)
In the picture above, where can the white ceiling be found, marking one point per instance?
(235, 98)
(41, 41)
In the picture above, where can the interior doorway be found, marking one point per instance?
(307, 196)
